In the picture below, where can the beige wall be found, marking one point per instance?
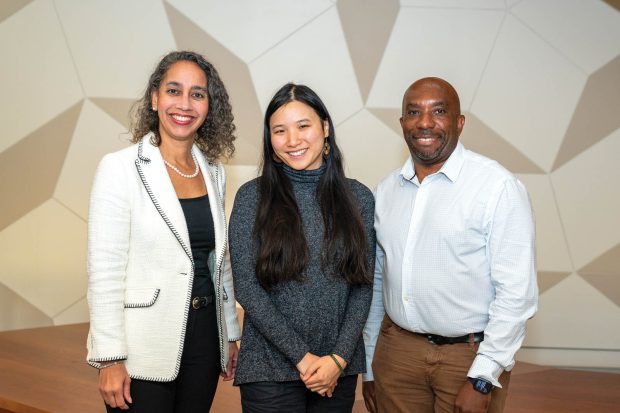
(539, 82)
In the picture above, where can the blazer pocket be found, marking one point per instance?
(141, 297)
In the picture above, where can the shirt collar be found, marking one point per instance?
(451, 169)
(407, 172)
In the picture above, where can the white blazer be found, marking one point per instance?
(140, 264)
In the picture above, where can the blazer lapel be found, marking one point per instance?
(156, 181)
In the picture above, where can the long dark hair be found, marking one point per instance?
(216, 135)
(282, 246)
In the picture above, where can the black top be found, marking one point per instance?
(322, 314)
(201, 236)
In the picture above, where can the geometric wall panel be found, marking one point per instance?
(551, 246)
(237, 175)
(235, 75)
(478, 137)
(259, 25)
(606, 264)
(390, 117)
(367, 26)
(548, 279)
(117, 108)
(387, 148)
(604, 274)
(586, 32)
(246, 152)
(597, 113)
(609, 285)
(88, 146)
(9, 7)
(315, 55)
(448, 53)
(570, 306)
(48, 277)
(15, 312)
(524, 73)
(30, 168)
(40, 81)
(474, 4)
(76, 313)
(586, 190)
(115, 45)
(614, 3)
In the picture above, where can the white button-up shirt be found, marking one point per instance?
(456, 255)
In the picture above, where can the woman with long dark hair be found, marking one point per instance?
(163, 320)
(302, 251)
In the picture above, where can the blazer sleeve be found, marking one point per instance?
(108, 247)
(230, 305)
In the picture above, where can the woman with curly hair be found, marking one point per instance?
(302, 248)
(163, 323)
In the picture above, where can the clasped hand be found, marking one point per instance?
(320, 374)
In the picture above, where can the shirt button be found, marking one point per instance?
(406, 298)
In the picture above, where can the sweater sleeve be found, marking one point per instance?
(360, 297)
(256, 302)
(375, 315)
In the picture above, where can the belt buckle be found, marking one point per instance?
(196, 301)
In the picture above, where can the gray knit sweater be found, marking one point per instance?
(322, 314)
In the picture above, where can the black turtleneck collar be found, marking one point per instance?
(294, 175)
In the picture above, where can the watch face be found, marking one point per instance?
(481, 385)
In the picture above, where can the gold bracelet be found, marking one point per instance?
(337, 364)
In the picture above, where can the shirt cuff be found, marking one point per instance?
(368, 376)
(485, 368)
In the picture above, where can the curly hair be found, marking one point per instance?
(216, 135)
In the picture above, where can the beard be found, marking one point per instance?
(427, 154)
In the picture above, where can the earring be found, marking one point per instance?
(154, 109)
(326, 149)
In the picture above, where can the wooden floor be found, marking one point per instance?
(43, 371)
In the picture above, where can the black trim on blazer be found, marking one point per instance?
(218, 269)
(143, 160)
(144, 304)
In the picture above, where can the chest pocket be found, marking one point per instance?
(141, 297)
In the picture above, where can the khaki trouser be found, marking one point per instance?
(413, 375)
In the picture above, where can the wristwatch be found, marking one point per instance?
(481, 385)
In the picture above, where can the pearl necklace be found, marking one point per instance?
(188, 176)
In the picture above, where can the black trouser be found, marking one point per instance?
(294, 397)
(194, 388)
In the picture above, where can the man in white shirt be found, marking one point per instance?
(455, 274)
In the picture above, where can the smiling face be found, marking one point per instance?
(182, 101)
(431, 122)
(298, 135)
